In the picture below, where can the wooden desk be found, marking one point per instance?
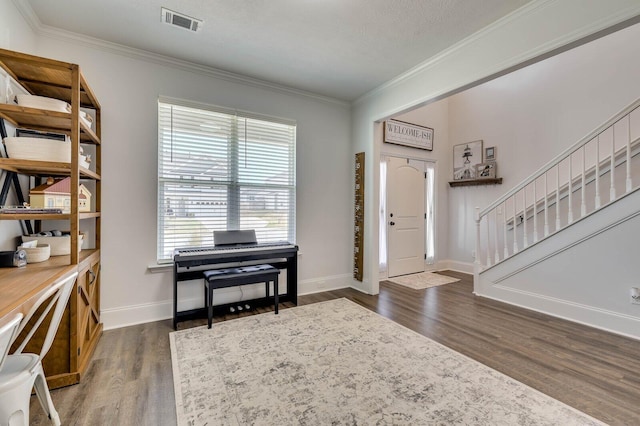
(80, 328)
(21, 287)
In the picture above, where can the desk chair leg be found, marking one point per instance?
(42, 392)
(275, 292)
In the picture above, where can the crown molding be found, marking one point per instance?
(530, 8)
(43, 30)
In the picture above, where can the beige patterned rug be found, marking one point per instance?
(338, 363)
(422, 280)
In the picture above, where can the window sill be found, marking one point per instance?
(160, 267)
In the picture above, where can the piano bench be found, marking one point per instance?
(232, 277)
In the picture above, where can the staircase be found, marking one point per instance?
(566, 241)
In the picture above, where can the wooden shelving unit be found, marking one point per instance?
(475, 182)
(81, 328)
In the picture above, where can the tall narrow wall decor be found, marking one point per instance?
(358, 232)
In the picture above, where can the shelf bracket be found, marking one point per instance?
(9, 178)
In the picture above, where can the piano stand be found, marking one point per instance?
(189, 264)
(232, 277)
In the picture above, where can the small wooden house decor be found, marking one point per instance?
(56, 193)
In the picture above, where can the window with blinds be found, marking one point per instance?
(223, 170)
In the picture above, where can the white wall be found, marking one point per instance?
(15, 32)
(534, 114)
(538, 29)
(128, 88)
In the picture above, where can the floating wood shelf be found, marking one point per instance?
(475, 182)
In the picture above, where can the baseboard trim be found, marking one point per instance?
(126, 316)
(318, 285)
(602, 319)
(455, 265)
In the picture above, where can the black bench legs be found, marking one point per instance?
(232, 277)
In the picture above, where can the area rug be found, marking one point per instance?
(422, 280)
(337, 363)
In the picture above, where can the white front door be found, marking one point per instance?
(405, 216)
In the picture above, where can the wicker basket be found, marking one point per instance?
(37, 254)
(51, 104)
(41, 102)
(60, 246)
(38, 149)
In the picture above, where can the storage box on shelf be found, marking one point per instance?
(36, 254)
(60, 245)
(58, 92)
(41, 149)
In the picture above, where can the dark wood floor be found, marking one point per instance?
(130, 380)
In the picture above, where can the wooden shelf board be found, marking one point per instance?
(34, 216)
(46, 216)
(88, 174)
(45, 120)
(88, 215)
(43, 168)
(65, 260)
(475, 182)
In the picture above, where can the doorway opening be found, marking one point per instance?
(407, 222)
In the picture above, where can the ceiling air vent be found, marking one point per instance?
(179, 20)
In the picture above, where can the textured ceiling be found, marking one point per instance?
(336, 48)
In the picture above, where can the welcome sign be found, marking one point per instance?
(401, 133)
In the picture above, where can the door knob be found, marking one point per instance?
(392, 223)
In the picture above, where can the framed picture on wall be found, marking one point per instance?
(465, 158)
(490, 153)
(486, 170)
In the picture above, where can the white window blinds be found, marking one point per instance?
(223, 170)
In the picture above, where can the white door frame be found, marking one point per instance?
(383, 233)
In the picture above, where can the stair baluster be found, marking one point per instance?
(570, 214)
(495, 235)
(612, 167)
(488, 241)
(583, 201)
(525, 238)
(629, 181)
(515, 238)
(598, 172)
(546, 206)
(506, 246)
(535, 211)
(557, 198)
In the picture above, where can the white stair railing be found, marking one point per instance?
(567, 184)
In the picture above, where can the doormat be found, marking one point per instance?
(422, 280)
